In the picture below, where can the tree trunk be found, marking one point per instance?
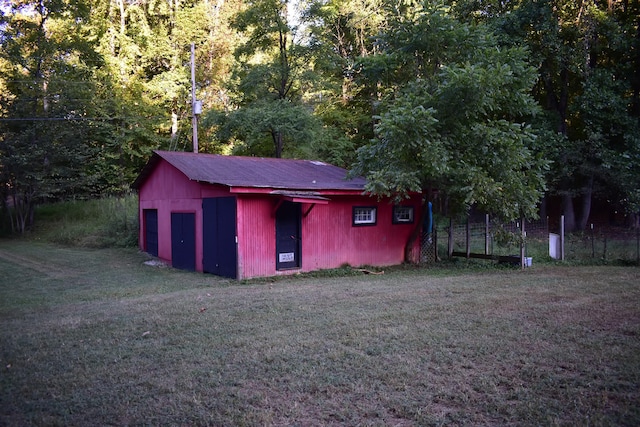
(22, 214)
(543, 207)
(635, 220)
(568, 212)
(123, 21)
(278, 142)
(635, 82)
(585, 205)
(174, 126)
(285, 69)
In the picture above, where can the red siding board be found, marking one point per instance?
(256, 237)
(330, 240)
(168, 183)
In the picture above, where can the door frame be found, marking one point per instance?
(187, 262)
(295, 220)
(145, 218)
(219, 236)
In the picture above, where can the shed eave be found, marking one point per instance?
(301, 196)
(318, 191)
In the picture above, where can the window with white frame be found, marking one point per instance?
(364, 215)
(402, 214)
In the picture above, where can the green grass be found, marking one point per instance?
(95, 337)
(98, 223)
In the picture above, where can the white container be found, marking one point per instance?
(528, 261)
(554, 246)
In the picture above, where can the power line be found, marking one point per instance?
(52, 99)
(54, 80)
(74, 119)
(56, 119)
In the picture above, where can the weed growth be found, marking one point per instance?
(107, 222)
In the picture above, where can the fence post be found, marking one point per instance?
(468, 238)
(546, 224)
(562, 237)
(523, 235)
(436, 258)
(486, 234)
(450, 243)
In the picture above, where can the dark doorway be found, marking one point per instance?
(288, 236)
(219, 254)
(151, 231)
(183, 241)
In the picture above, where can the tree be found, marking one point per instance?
(146, 46)
(455, 119)
(263, 125)
(269, 79)
(46, 64)
(146, 49)
(588, 59)
(338, 33)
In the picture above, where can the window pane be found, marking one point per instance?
(402, 214)
(364, 215)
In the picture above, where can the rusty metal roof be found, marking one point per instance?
(254, 172)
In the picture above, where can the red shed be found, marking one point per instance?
(243, 217)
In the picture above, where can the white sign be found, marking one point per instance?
(287, 257)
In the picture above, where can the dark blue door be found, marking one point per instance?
(183, 240)
(151, 231)
(219, 254)
(288, 236)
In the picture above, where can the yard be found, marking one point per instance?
(95, 337)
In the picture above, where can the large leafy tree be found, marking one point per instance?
(587, 54)
(46, 65)
(146, 49)
(99, 84)
(270, 78)
(267, 124)
(340, 33)
(455, 118)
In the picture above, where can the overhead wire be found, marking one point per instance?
(52, 119)
(73, 119)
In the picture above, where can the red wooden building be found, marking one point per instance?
(243, 217)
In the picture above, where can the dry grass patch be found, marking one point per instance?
(137, 345)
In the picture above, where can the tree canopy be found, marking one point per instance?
(47, 72)
(456, 119)
(491, 104)
(587, 55)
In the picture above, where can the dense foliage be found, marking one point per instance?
(491, 103)
(456, 114)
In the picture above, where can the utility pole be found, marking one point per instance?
(196, 106)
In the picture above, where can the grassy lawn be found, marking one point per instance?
(94, 337)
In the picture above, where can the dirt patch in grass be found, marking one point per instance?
(142, 345)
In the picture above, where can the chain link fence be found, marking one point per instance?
(606, 244)
(489, 239)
